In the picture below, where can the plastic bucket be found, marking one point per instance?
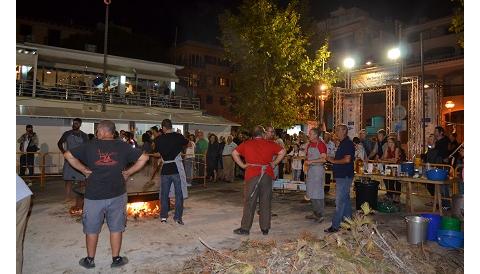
(450, 223)
(408, 167)
(433, 226)
(366, 192)
(416, 229)
(450, 238)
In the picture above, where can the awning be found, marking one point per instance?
(117, 115)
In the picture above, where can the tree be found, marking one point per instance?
(267, 48)
(457, 21)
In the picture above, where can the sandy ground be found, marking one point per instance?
(54, 241)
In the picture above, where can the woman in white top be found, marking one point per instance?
(297, 156)
(189, 158)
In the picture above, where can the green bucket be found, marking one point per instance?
(450, 223)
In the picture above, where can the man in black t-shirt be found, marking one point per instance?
(103, 161)
(169, 146)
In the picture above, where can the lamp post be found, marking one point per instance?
(449, 105)
(348, 64)
(322, 97)
(105, 41)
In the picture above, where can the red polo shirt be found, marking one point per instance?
(258, 151)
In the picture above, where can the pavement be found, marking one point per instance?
(54, 241)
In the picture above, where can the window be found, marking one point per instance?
(209, 99)
(222, 101)
(222, 82)
(53, 37)
(209, 81)
(25, 29)
(193, 80)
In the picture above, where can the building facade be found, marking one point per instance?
(207, 74)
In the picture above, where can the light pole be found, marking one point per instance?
(105, 41)
(348, 64)
(322, 97)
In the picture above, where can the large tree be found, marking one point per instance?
(267, 49)
(457, 21)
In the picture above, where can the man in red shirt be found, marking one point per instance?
(258, 154)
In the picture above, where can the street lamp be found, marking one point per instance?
(322, 95)
(449, 105)
(393, 54)
(348, 64)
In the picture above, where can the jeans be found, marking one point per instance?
(27, 161)
(165, 185)
(343, 206)
(188, 164)
(296, 174)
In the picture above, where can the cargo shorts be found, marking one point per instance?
(95, 212)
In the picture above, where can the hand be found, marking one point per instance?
(330, 159)
(272, 165)
(87, 172)
(126, 175)
(244, 166)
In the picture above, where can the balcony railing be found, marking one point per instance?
(149, 98)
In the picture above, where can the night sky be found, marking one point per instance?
(197, 20)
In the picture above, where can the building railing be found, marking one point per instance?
(89, 94)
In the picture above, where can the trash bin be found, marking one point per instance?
(433, 225)
(366, 191)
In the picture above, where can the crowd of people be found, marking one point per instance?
(109, 158)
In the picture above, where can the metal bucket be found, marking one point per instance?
(417, 228)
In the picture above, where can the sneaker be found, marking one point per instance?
(163, 220)
(320, 219)
(87, 262)
(179, 221)
(331, 230)
(241, 231)
(119, 261)
(265, 231)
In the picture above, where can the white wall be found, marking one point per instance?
(217, 130)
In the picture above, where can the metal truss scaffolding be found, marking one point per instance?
(389, 106)
(415, 110)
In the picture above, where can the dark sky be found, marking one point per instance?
(198, 19)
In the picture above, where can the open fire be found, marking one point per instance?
(144, 209)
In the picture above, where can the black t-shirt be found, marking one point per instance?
(169, 145)
(442, 147)
(106, 159)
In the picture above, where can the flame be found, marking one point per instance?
(144, 209)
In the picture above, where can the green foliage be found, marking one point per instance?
(457, 21)
(267, 48)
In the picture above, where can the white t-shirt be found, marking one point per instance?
(190, 151)
(297, 163)
(228, 149)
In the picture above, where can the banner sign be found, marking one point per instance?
(374, 77)
(351, 109)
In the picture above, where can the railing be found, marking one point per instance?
(50, 164)
(66, 92)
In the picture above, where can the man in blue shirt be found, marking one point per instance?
(343, 174)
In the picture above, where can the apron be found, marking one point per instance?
(69, 173)
(262, 172)
(183, 177)
(316, 176)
